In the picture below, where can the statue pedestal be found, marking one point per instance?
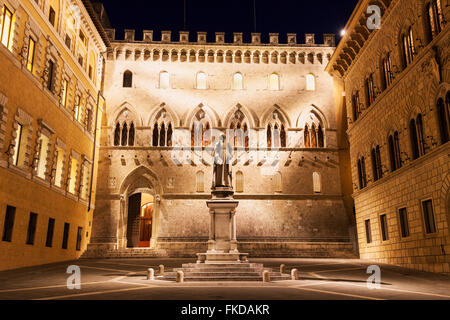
(222, 244)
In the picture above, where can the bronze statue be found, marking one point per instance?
(222, 173)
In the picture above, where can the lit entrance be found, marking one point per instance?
(140, 220)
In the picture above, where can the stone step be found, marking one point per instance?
(229, 270)
(224, 278)
(222, 265)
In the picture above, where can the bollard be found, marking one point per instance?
(150, 274)
(266, 276)
(161, 269)
(294, 274)
(180, 276)
(282, 268)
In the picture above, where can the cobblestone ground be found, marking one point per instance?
(320, 279)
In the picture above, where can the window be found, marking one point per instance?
(91, 72)
(84, 182)
(239, 181)
(201, 81)
(30, 56)
(200, 181)
(59, 166)
(83, 37)
(73, 175)
(31, 228)
(274, 82)
(317, 183)
(68, 42)
(310, 82)
(428, 216)
(376, 163)
(435, 18)
(19, 143)
(368, 231)
(6, 27)
(362, 173)
(444, 118)
(51, 73)
(81, 59)
(131, 135)
(370, 90)
(394, 151)
(117, 135)
(50, 230)
(417, 139)
(387, 71)
(408, 47)
(384, 227)
(404, 225)
(356, 104)
(44, 143)
(52, 16)
(9, 223)
(64, 92)
(79, 235)
(65, 235)
(127, 79)
(238, 81)
(164, 80)
(77, 108)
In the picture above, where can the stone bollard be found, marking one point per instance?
(266, 276)
(161, 269)
(180, 276)
(150, 274)
(294, 274)
(282, 267)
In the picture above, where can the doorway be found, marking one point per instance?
(140, 220)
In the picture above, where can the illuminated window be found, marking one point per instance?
(435, 18)
(201, 81)
(17, 143)
(44, 142)
(164, 80)
(239, 181)
(91, 72)
(6, 27)
(310, 82)
(20, 145)
(317, 183)
(77, 108)
(83, 37)
(274, 82)
(200, 181)
(238, 81)
(59, 166)
(64, 93)
(73, 175)
(30, 58)
(84, 181)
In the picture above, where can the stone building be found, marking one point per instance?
(395, 81)
(169, 101)
(51, 70)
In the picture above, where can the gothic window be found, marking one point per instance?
(314, 136)
(200, 183)
(320, 137)
(238, 133)
(117, 135)
(387, 71)
(362, 173)
(269, 136)
(317, 183)
(408, 47)
(124, 134)
(394, 151)
(155, 135)
(239, 181)
(162, 135)
(435, 19)
(162, 130)
(131, 135)
(370, 90)
(444, 119)
(356, 104)
(169, 135)
(310, 82)
(127, 79)
(377, 166)
(238, 81)
(274, 82)
(200, 130)
(417, 140)
(307, 138)
(164, 80)
(201, 81)
(276, 131)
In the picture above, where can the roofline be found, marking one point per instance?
(90, 9)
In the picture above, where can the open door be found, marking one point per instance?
(145, 233)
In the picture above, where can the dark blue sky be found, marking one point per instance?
(282, 16)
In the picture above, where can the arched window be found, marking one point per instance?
(310, 82)
(313, 137)
(416, 134)
(408, 47)
(269, 136)
(117, 135)
(164, 80)
(201, 81)
(317, 183)
(356, 104)
(274, 82)
(362, 173)
(127, 79)
(276, 136)
(169, 135)
(320, 137)
(370, 90)
(200, 130)
(124, 134)
(387, 71)
(307, 137)
(162, 135)
(162, 129)
(239, 181)
(443, 117)
(283, 136)
(155, 135)
(435, 19)
(276, 131)
(420, 136)
(277, 182)
(200, 183)
(131, 135)
(238, 81)
(376, 164)
(394, 151)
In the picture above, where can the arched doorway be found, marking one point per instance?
(140, 220)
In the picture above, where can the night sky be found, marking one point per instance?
(282, 16)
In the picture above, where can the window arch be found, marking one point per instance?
(310, 82)
(394, 151)
(356, 106)
(443, 112)
(164, 80)
(387, 71)
(127, 79)
(317, 183)
(239, 181)
(417, 138)
(238, 81)
(162, 129)
(200, 183)
(370, 90)
(435, 19)
(125, 129)
(117, 135)
(200, 130)
(201, 81)
(408, 47)
(276, 131)
(274, 82)
(314, 136)
(362, 173)
(239, 130)
(377, 166)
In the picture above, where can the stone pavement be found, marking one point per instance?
(320, 279)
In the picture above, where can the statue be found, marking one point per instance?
(222, 173)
